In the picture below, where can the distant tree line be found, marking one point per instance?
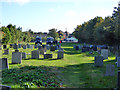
(99, 30)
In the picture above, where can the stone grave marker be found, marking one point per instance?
(16, 57)
(4, 87)
(31, 46)
(46, 56)
(74, 46)
(104, 53)
(28, 46)
(39, 47)
(47, 47)
(60, 54)
(95, 47)
(36, 46)
(19, 45)
(98, 61)
(24, 46)
(118, 61)
(23, 55)
(118, 79)
(42, 51)
(3, 63)
(110, 70)
(35, 54)
(6, 51)
(11, 45)
(77, 47)
(4, 46)
(15, 46)
(52, 48)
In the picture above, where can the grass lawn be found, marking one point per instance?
(76, 70)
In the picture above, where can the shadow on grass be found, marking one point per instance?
(74, 76)
(71, 51)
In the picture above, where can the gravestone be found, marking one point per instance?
(6, 51)
(95, 47)
(118, 61)
(56, 47)
(4, 46)
(23, 55)
(39, 47)
(104, 53)
(31, 46)
(36, 46)
(16, 57)
(47, 47)
(77, 47)
(110, 70)
(3, 87)
(52, 48)
(118, 79)
(42, 51)
(74, 46)
(28, 46)
(11, 45)
(3, 63)
(15, 46)
(35, 54)
(83, 50)
(24, 46)
(19, 45)
(43, 46)
(98, 61)
(60, 54)
(46, 56)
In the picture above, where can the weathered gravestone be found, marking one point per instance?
(110, 70)
(36, 46)
(4, 46)
(118, 80)
(28, 46)
(52, 48)
(118, 61)
(104, 53)
(35, 54)
(3, 87)
(6, 51)
(98, 61)
(43, 46)
(74, 46)
(31, 46)
(46, 56)
(15, 46)
(77, 47)
(47, 47)
(56, 47)
(16, 57)
(23, 55)
(95, 47)
(60, 54)
(19, 45)
(24, 46)
(3, 63)
(39, 47)
(42, 51)
(11, 45)
(117, 54)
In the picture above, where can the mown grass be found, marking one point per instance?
(75, 70)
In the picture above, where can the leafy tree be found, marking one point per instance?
(53, 33)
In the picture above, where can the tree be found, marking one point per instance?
(53, 33)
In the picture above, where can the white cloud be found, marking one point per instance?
(71, 13)
(51, 10)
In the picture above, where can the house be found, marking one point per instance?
(71, 39)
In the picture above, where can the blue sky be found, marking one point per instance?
(42, 15)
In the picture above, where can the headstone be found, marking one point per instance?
(77, 48)
(3, 63)
(98, 61)
(60, 54)
(52, 48)
(42, 51)
(39, 47)
(46, 56)
(110, 70)
(6, 51)
(118, 80)
(31, 46)
(56, 47)
(4, 46)
(15, 46)
(23, 55)
(83, 50)
(43, 46)
(35, 54)
(104, 53)
(47, 47)
(24, 47)
(74, 46)
(11, 45)
(95, 47)
(3, 87)
(118, 61)
(19, 45)
(28, 46)
(16, 57)
(36, 46)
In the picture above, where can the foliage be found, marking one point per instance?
(53, 33)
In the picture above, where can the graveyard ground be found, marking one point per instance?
(75, 70)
